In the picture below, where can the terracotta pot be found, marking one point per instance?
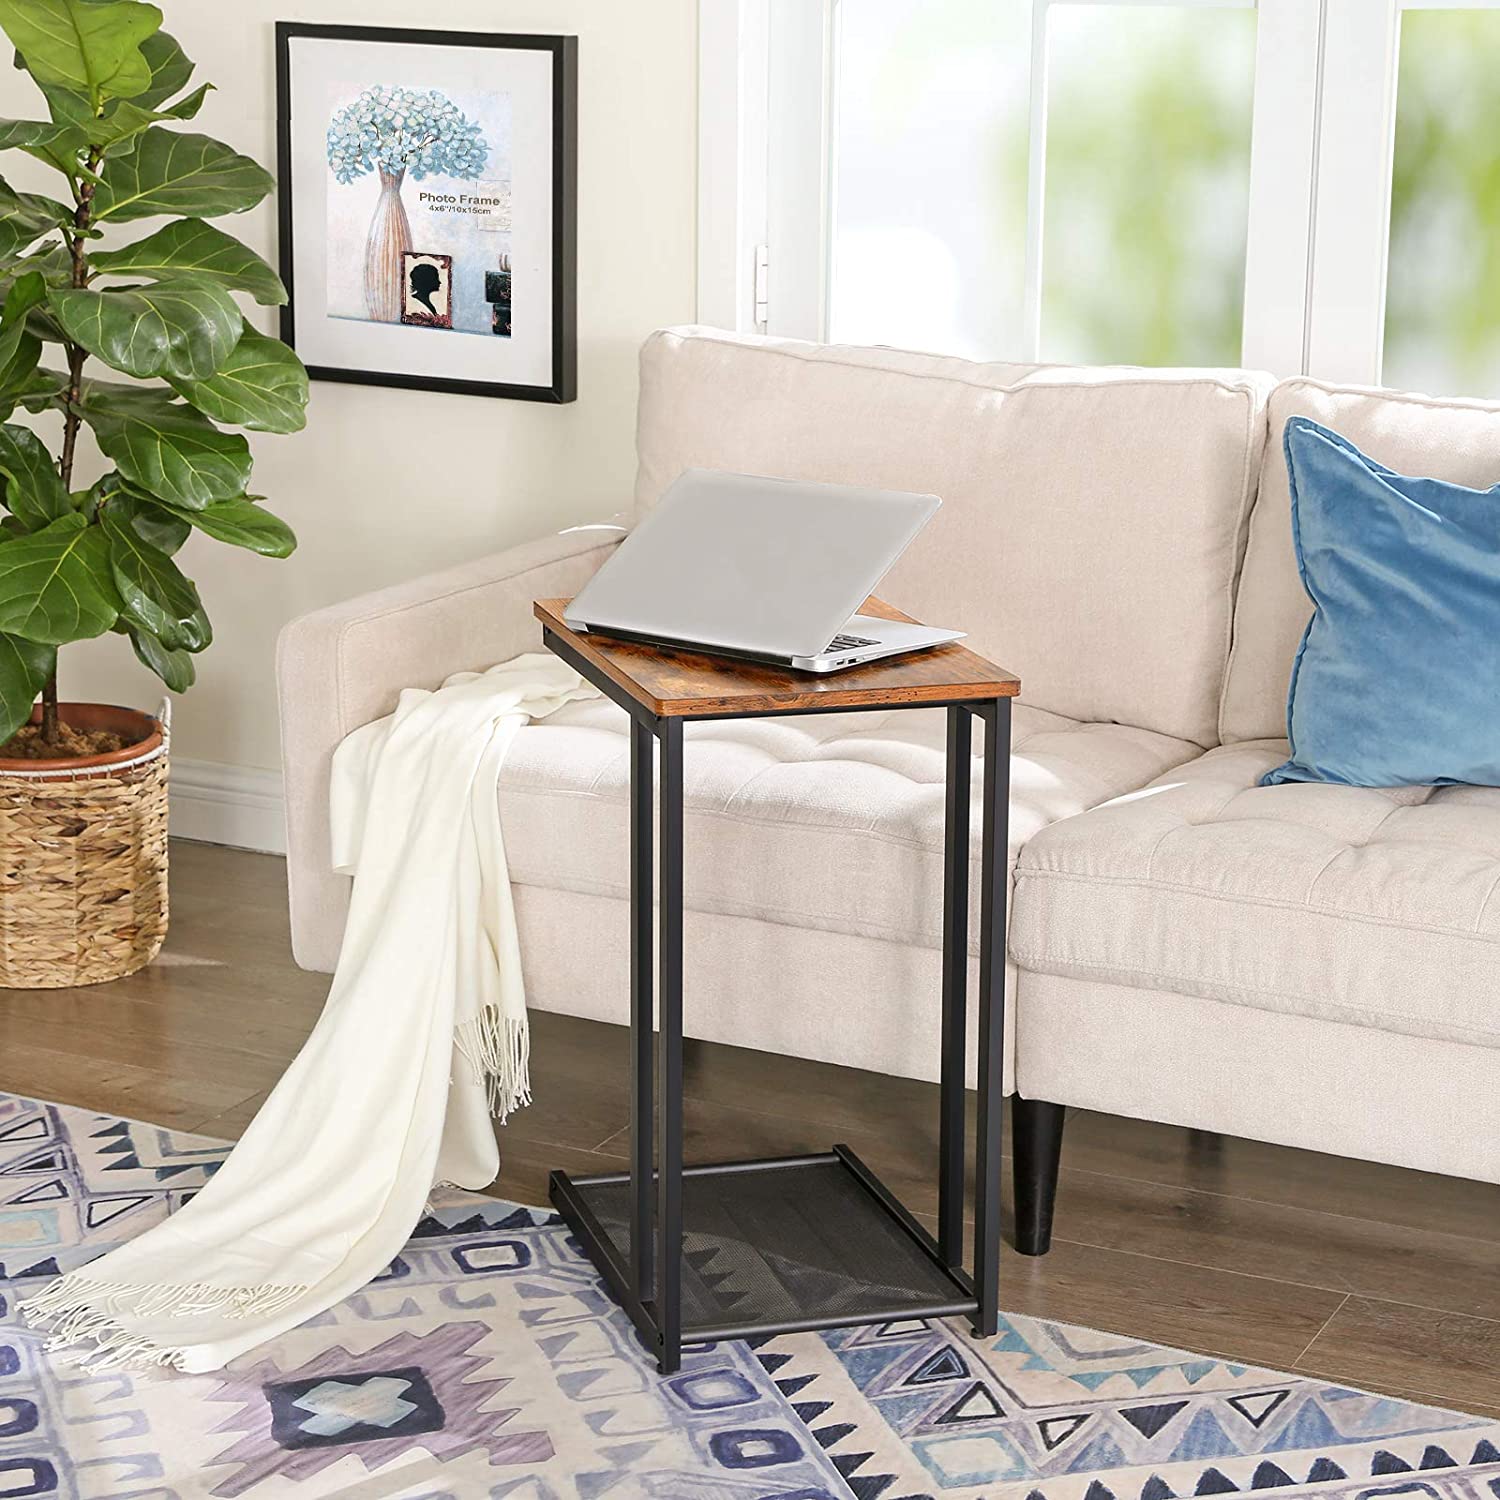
(83, 856)
(140, 731)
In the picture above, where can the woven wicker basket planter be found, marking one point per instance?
(83, 857)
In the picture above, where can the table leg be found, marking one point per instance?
(993, 883)
(642, 1008)
(668, 1303)
(951, 1126)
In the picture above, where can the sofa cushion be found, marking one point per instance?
(1395, 681)
(1458, 441)
(831, 821)
(1068, 495)
(1375, 907)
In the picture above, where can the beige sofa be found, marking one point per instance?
(1312, 965)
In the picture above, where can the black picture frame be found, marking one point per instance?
(564, 51)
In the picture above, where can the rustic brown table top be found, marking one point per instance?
(673, 683)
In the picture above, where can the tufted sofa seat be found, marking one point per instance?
(831, 822)
(1373, 907)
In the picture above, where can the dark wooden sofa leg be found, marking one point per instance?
(1037, 1144)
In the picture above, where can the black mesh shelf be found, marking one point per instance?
(802, 1242)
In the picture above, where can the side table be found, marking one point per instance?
(701, 1253)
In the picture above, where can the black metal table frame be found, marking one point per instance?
(648, 1285)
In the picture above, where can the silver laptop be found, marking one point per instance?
(773, 569)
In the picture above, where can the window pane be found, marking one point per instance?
(929, 232)
(1442, 320)
(1147, 187)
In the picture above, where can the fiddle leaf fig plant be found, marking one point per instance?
(159, 312)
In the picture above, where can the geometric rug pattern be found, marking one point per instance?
(487, 1361)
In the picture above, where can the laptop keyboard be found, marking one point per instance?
(848, 642)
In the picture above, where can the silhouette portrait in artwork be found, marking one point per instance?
(425, 279)
(427, 293)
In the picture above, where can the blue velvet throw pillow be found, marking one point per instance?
(1397, 680)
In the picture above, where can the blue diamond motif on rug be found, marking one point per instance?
(352, 1407)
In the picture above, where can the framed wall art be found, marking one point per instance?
(428, 207)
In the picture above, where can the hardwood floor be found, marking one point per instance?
(1378, 1277)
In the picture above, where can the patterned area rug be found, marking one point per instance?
(489, 1362)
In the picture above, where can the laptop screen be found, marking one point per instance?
(749, 563)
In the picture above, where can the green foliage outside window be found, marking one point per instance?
(1442, 329)
(1148, 148)
(1148, 171)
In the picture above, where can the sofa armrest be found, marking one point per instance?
(340, 667)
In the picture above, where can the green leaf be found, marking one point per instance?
(19, 350)
(93, 49)
(56, 585)
(19, 353)
(23, 133)
(189, 246)
(33, 492)
(172, 172)
(42, 389)
(116, 129)
(154, 523)
(22, 295)
(176, 328)
(188, 106)
(243, 523)
(154, 593)
(165, 448)
(25, 217)
(262, 385)
(114, 132)
(40, 324)
(57, 145)
(86, 502)
(25, 667)
(66, 106)
(53, 263)
(170, 70)
(175, 668)
(50, 261)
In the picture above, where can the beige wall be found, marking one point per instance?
(384, 484)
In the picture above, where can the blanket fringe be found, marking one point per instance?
(76, 1310)
(499, 1047)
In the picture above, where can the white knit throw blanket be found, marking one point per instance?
(422, 1038)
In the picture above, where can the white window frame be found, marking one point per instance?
(733, 64)
(765, 164)
(1321, 153)
(1290, 61)
(1352, 191)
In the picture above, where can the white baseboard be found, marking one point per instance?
(235, 805)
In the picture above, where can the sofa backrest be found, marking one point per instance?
(1093, 519)
(1445, 439)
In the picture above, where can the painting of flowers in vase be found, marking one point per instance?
(436, 168)
(428, 207)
